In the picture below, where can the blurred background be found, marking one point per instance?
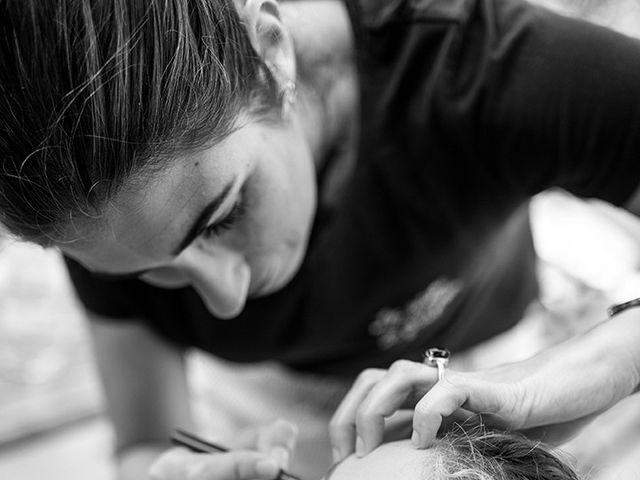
(51, 423)
(51, 409)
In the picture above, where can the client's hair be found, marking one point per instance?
(479, 453)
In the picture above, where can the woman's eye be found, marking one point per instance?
(215, 229)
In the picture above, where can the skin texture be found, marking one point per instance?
(391, 461)
(555, 393)
(270, 173)
(462, 452)
(269, 167)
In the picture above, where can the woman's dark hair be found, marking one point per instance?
(95, 91)
(479, 453)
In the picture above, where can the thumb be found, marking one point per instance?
(239, 465)
(278, 440)
(458, 391)
(179, 463)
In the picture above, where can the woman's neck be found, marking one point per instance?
(327, 82)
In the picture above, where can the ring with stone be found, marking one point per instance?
(437, 357)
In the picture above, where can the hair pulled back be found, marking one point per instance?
(93, 92)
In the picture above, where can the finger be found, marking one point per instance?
(169, 464)
(399, 426)
(180, 463)
(237, 465)
(278, 441)
(462, 417)
(240, 465)
(342, 426)
(278, 431)
(440, 402)
(386, 397)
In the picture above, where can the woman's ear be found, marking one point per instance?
(270, 37)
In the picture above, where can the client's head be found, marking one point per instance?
(462, 454)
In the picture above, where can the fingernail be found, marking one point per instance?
(360, 447)
(415, 439)
(267, 468)
(337, 456)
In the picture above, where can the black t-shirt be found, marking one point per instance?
(468, 107)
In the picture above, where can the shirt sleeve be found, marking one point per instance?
(552, 101)
(115, 299)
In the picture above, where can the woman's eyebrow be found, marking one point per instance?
(203, 219)
(196, 228)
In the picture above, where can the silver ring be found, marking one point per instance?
(437, 357)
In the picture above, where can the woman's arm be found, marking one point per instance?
(147, 397)
(543, 100)
(564, 385)
(145, 388)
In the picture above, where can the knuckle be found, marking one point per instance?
(453, 377)
(341, 431)
(452, 382)
(370, 375)
(448, 384)
(364, 415)
(401, 366)
(426, 418)
(422, 409)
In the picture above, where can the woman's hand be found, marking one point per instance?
(258, 454)
(551, 394)
(377, 394)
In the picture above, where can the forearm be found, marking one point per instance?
(586, 374)
(558, 389)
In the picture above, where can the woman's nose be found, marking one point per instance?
(221, 277)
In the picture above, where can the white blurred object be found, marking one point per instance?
(47, 375)
(591, 241)
(620, 15)
(38, 317)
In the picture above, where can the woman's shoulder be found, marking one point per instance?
(380, 13)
